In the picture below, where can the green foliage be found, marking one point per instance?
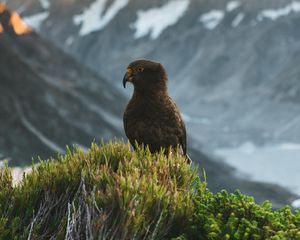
(236, 216)
(111, 192)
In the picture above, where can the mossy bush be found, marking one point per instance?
(111, 192)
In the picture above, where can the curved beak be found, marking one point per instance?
(127, 77)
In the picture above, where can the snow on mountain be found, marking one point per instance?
(270, 163)
(194, 120)
(69, 40)
(97, 17)
(233, 69)
(273, 14)
(238, 19)
(155, 20)
(48, 100)
(212, 19)
(18, 173)
(296, 203)
(45, 4)
(221, 65)
(232, 5)
(36, 20)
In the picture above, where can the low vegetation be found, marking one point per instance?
(111, 192)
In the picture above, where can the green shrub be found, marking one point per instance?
(236, 216)
(111, 192)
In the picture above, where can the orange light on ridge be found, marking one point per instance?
(15, 22)
(2, 7)
(18, 25)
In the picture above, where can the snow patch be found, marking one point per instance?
(296, 203)
(195, 120)
(279, 164)
(237, 20)
(45, 4)
(36, 20)
(96, 18)
(155, 20)
(273, 14)
(80, 146)
(3, 159)
(212, 19)
(232, 5)
(18, 173)
(290, 146)
(69, 40)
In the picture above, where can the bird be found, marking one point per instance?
(151, 117)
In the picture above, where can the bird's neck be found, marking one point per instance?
(149, 96)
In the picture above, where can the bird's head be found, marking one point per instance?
(146, 75)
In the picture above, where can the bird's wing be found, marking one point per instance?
(183, 137)
(181, 125)
(158, 127)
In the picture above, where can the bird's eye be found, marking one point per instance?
(140, 69)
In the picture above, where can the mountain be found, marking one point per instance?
(233, 65)
(227, 74)
(48, 100)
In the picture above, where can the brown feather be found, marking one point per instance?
(151, 117)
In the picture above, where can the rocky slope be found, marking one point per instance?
(227, 63)
(233, 65)
(48, 100)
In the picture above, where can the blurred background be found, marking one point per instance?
(233, 69)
